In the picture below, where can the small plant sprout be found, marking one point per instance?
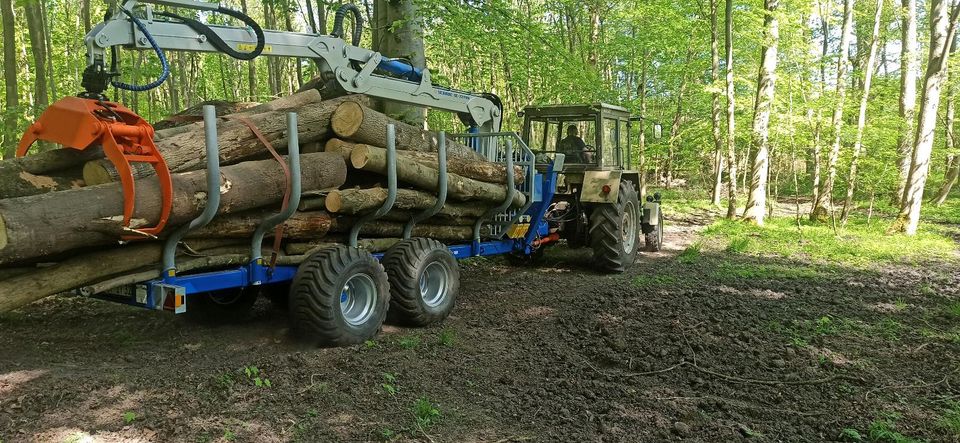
(409, 342)
(129, 417)
(389, 384)
(425, 412)
(447, 337)
(257, 377)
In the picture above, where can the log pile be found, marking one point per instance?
(61, 210)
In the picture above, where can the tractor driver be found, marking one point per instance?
(573, 146)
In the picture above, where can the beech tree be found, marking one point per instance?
(766, 82)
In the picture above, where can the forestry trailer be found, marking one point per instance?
(583, 191)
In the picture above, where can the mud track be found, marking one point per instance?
(556, 352)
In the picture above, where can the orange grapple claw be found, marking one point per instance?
(79, 123)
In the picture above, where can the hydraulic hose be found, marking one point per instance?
(218, 42)
(357, 22)
(165, 66)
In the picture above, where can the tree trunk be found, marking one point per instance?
(11, 96)
(369, 158)
(402, 37)
(642, 141)
(478, 170)
(953, 164)
(823, 205)
(862, 115)
(301, 225)
(943, 27)
(361, 124)
(252, 93)
(393, 229)
(909, 68)
(38, 47)
(715, 107)
(359, 201)
(185, 151)
(85, 16)
(44, 225)
(677, 120)
(766, 81)
(731, 109)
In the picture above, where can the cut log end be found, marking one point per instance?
(347, 118)
(96, 173)
(333, 202)
(359, 156)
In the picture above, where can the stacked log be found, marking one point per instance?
(61, 224)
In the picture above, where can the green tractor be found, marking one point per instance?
(597, 203)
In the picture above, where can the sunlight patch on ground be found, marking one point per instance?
(832, 356)
(12, 380)
(767, 294)
(536, 313)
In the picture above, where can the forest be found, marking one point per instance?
(846, 104)
(802, 282)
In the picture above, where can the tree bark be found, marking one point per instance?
(361, 124)
(359, 201)
(186, 152)
(943, 27)
(478, 170)
(731, 109)
(766, 82)
(715, 119)
(194, 113)
(301, 225)
(369, 158)
(402, 37)
(823, 205)
(909, 68)
(953, 164)
(38, 47)
(44, 225)
(862, 115)
(382, 228)
(11, 96)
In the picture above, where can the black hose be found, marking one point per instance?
(357, 22)
(218, 42)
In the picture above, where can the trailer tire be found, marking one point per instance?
(339, 297)
(615, 230)
(223, 306)
(424, 281)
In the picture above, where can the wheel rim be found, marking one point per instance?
(357, 299)
(433, 284)
(629, 226)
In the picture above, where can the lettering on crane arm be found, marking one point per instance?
(453, 94)
(248, 47)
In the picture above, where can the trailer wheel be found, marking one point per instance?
(615, 230)
(424, 281)
(339, 297)
(654, 238)
(223, 306)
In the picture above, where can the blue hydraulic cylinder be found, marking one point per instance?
(401, 68)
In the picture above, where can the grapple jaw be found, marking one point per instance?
(81, 123)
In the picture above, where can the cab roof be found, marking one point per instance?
(576, 110)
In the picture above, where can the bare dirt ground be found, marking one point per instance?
(556, 352)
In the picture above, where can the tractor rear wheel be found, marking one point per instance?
(424, 281)
(615, 230)
(339, 297)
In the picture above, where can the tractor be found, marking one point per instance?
(597, 201)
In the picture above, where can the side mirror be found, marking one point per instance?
(657, 131)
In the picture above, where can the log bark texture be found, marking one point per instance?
(359, 123)
(47, 171)
(358, 201)
(301, 225)
(478, 170)
(42, 225)
(382, 228)
(369, 158)
(195, 113)
(186, 151)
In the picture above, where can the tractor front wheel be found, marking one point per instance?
(615, 230)
(339, 297)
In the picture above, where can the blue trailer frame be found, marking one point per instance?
(523, 235)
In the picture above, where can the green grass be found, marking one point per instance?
(734, 271)
(425, 412)
(858, 244)
(447, 337)
(129, 417)
(884, 430)
(678, 203)
(409, 342)
(690, 255)
(950, 420)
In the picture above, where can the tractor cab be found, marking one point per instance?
(604, 130)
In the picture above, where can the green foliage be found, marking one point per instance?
(884, 430)
(859, 243)
(229, 435)
(690, 255)
(129, 417)
(389, 384)
(255, 376)
(734, 270)
(409, 342)
(850, 434)
(425, 412)
(447, 337)
(950, 420)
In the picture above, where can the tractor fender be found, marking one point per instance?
(651, 214)
(596, 182)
